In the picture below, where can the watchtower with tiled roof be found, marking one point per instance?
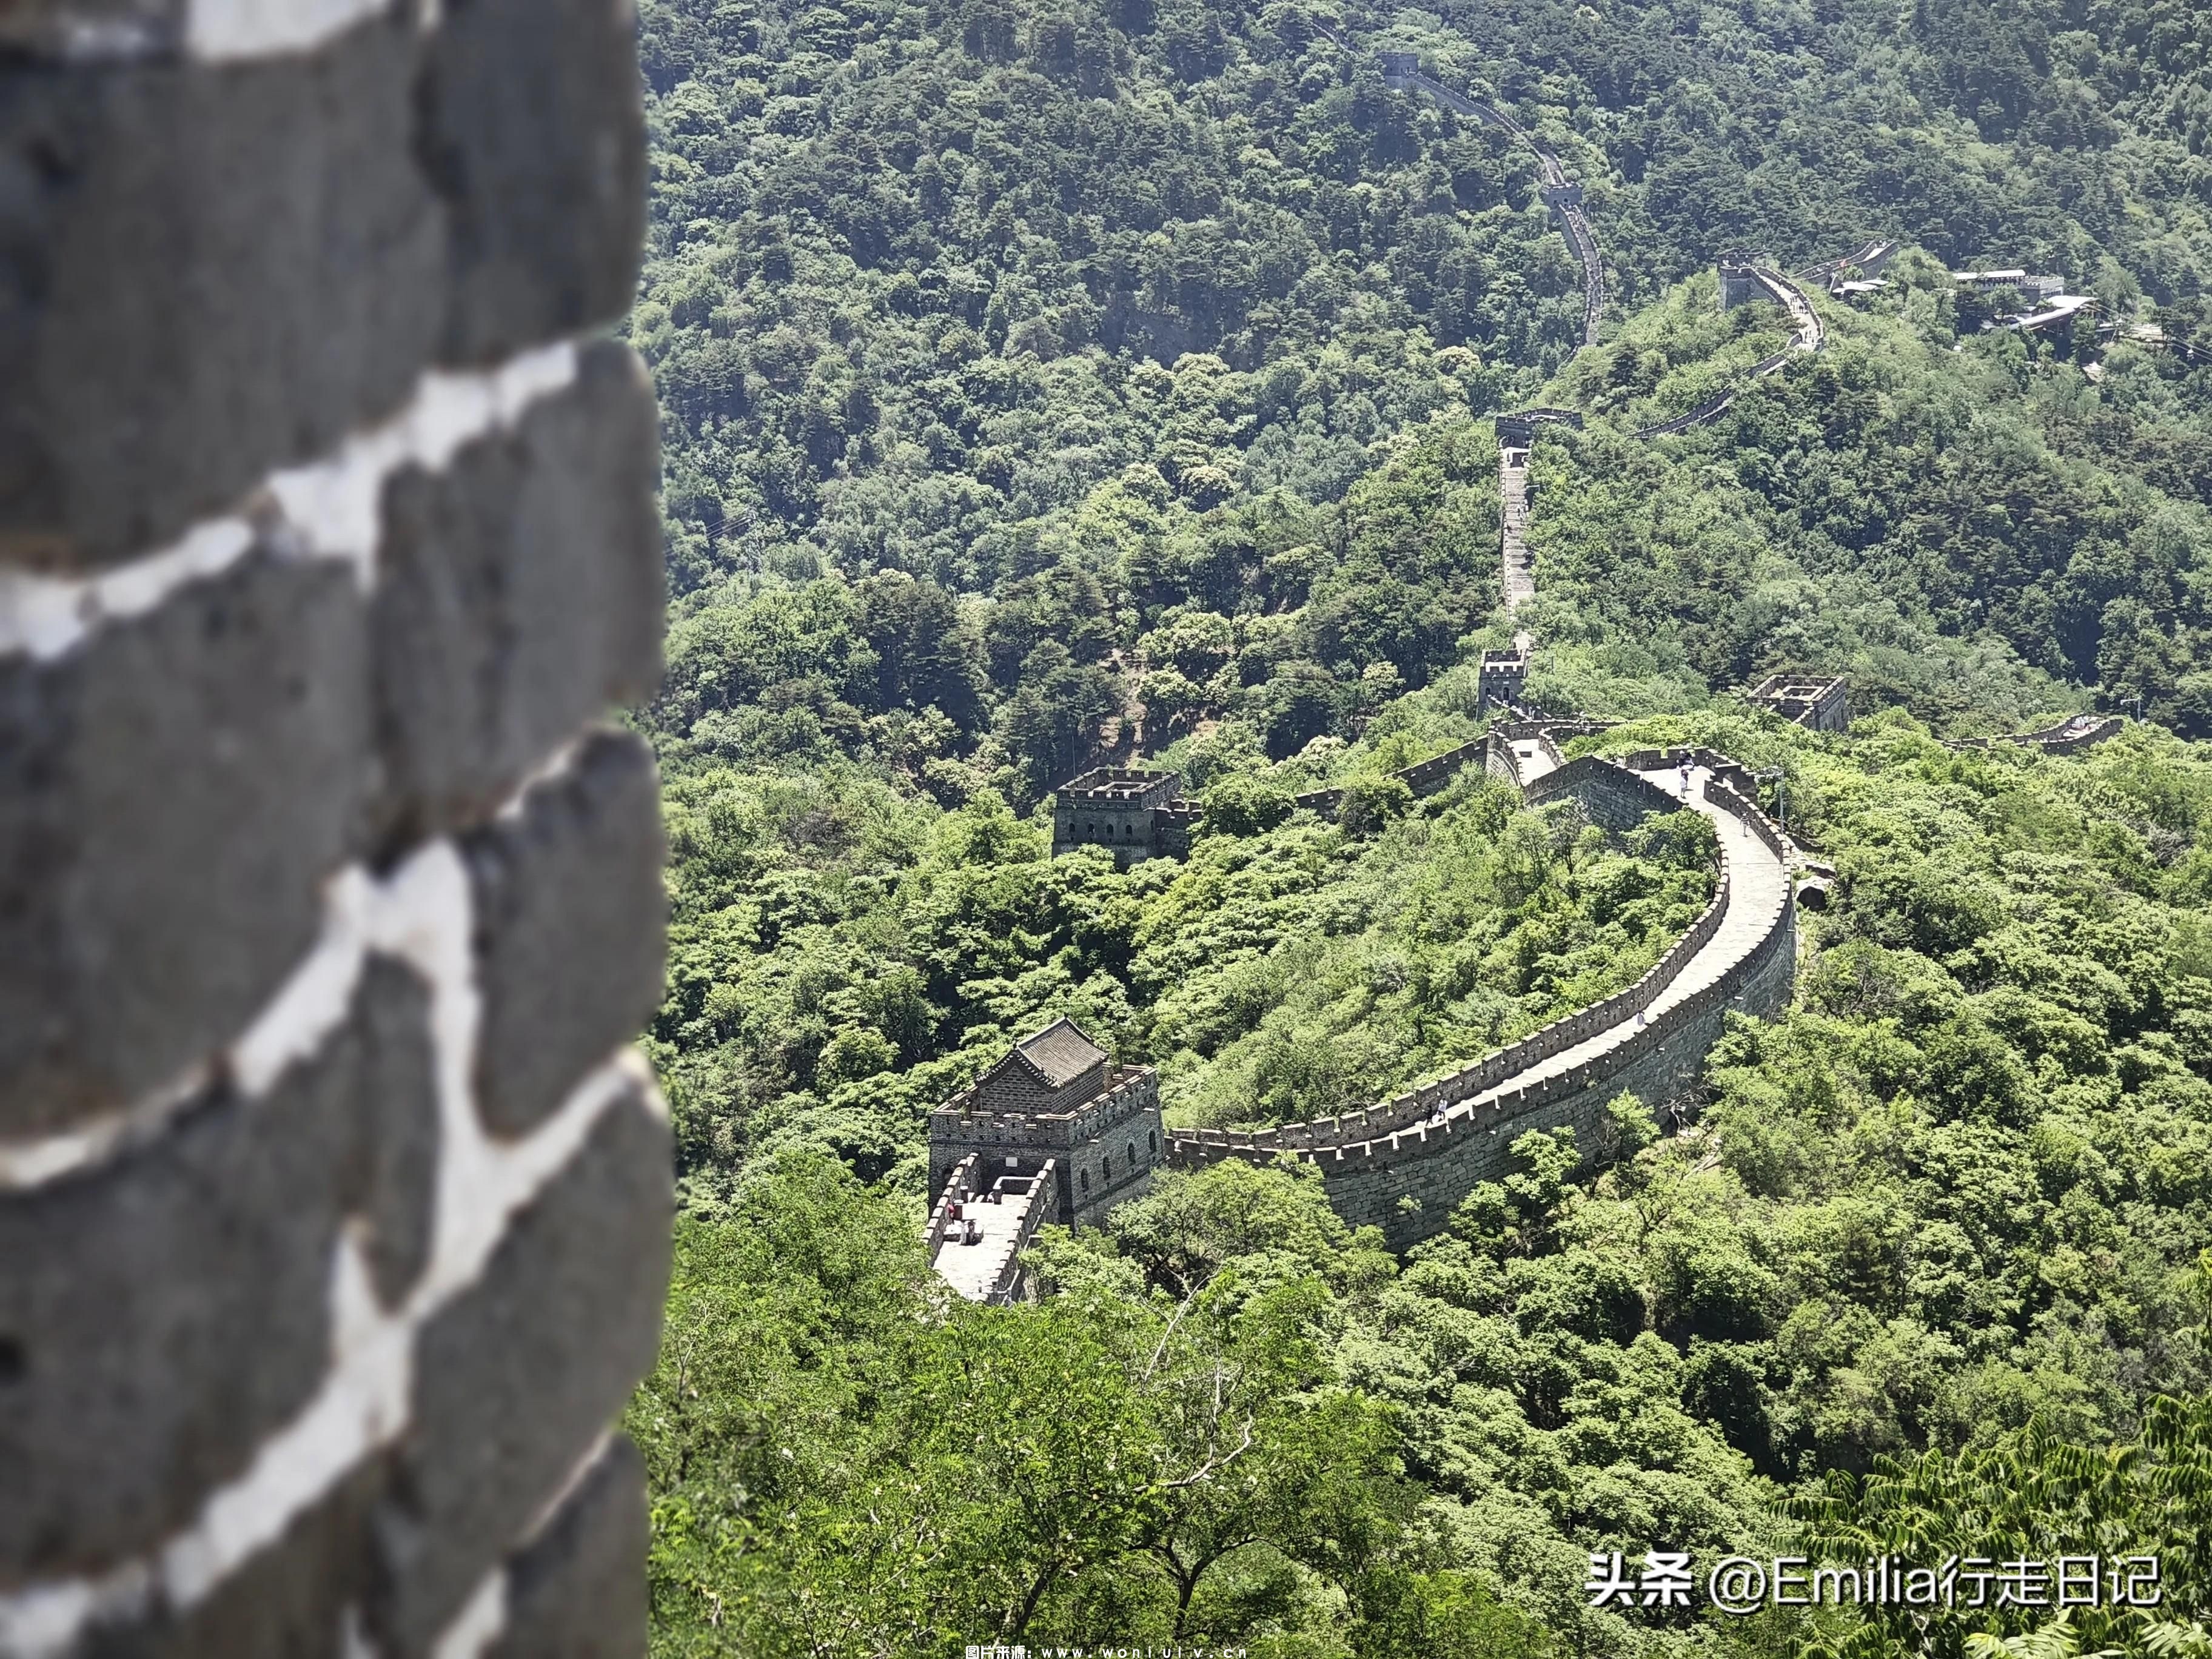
(1057, 1096)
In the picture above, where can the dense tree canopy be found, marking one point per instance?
(1071, 384)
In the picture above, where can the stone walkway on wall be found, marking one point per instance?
(975, 1270)
(1759, 881)
(1520, 575)
(1530, 762)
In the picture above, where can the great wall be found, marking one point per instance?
(1026, 1146)
(1002, 1165)
(1562, 195)
(1806, 334)
(1403, 1165)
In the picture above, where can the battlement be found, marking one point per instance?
(2071, 735)
(1118, 785)
(977, 1117)
(1518, 429)
(1738, 279)
(1501, 679)
(2026, 282)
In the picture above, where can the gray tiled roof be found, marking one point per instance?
(1061, 1052)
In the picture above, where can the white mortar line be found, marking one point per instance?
(228, 31)
(327, 509)
(312, 1003)
(353, 1640)
(482, 1618)
(422, 915)
(481, 1621)
(551, 1508)
(362, 1404)
(553, 766)
(307, 1008)
(33, 1162)
(291, 1027)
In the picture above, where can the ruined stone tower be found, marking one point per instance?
(333, 1210)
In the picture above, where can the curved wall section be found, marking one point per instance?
(1404, 1164)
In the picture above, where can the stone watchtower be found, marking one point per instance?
(1135, 815)
(1056, 1098)
(1501, 679)
(1820, 703)
(1738, 286)
(334, 1205)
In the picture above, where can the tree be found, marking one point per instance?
(1244, 804)
(1372, 802)
(2030, 1497)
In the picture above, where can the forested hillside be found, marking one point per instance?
(1961, 1189)
(1061, 384)
(1973, 533)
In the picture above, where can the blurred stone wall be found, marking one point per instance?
(333, 1207)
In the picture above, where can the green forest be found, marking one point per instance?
(1112, 382)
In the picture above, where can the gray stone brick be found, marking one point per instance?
(163, 1314)
(383, 1081)
(206, 272)
(534, 134)
(520, 594)
(172, 796)
(290, 1600)
(570, 928)
(578, 1591)
(516, 1378)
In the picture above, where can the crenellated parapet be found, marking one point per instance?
(2069, 736)
(1491, 1076)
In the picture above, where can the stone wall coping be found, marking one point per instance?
(2076, 732)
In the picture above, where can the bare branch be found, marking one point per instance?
(1206, 1470)
(1182, 1308)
